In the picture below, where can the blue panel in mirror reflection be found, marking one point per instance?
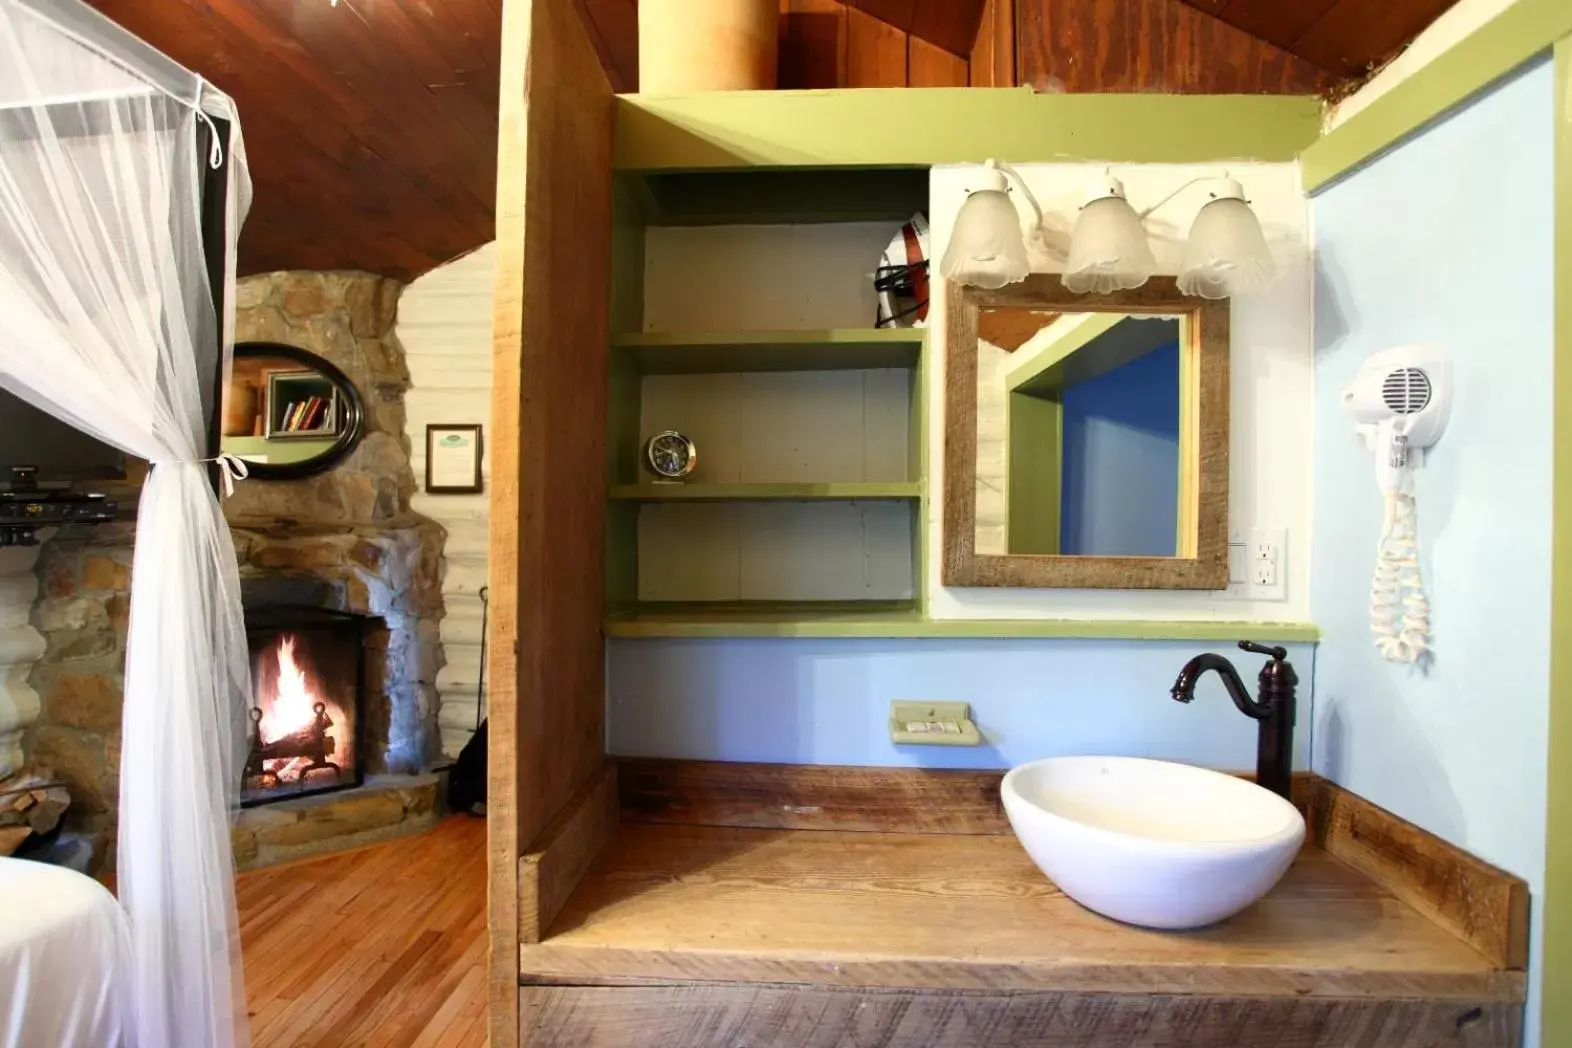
(1120, 473)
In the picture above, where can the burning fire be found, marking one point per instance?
(294, 700)
(291, 710)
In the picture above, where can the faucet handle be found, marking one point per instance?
(1262, 649)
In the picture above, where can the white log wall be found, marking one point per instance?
(20, 647)
(444, 325)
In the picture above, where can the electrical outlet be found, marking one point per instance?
(1257, 564)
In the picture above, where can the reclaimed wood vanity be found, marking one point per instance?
(647, 904)
(746, 905)
(736, 904)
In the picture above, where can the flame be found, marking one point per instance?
(293, 698)
(288, 708)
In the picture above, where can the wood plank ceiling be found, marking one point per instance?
(1348, 38)
(371, 124)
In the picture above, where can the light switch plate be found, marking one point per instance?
(933, 724)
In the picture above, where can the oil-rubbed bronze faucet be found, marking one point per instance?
(1274, 710)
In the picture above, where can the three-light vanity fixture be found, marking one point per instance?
(1224, 255)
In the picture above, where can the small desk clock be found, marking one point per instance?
(670, 456)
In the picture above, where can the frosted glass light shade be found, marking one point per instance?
(1108, 248)
(986, 247)
(1226, 253)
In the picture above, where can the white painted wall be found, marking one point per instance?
(1410, 249)
(444, 325)
(20, 647)
(1457, 22)
(1271, 376)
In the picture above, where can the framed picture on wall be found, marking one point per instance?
(453, 459)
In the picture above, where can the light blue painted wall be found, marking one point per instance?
(1120, 486)
(827, 701)
(1448, 240)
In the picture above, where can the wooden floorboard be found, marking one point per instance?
(383, 947)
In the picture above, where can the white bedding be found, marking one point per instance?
(63, 948)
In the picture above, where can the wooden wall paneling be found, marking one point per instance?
(554, 864)
(1482, 905)
(613, 27)
(928, 65)
(813, 44)
(1151, 45)
(1355, 38)
(875, 52)
(547, 444)
(722, 1016)
(1271, 20)
(992, 62)
(947, 24)
(811, 797)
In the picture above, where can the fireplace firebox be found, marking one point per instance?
(308, 702)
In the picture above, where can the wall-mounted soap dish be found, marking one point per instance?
(933, 724)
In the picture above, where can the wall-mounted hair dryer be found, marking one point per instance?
(1400, 402)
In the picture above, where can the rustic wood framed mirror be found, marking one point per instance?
(1086, 438)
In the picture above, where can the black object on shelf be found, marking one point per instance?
(25, 507)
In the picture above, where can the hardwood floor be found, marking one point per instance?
(384, 947)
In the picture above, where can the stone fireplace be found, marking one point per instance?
(343, 544)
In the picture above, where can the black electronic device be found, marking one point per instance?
(26, 507)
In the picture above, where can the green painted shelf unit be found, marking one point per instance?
(636, 355)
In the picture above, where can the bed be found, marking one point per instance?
(64, 945)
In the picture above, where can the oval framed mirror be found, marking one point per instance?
(288, 413)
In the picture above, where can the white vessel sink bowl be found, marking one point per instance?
(1152, 843)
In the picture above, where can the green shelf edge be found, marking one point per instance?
(838, 492)
(902, 624)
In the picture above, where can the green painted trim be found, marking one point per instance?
(837, 492)
(1034, 473)
(1473, 63)
(917, 458)
(1556, 1007)
(919, 127)
(786, 623)
(707, 352)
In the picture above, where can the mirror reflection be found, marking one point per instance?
(1078, 433)
(287, 412)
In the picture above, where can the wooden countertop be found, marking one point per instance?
(971, 912)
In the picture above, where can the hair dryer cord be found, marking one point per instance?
(1399, 610)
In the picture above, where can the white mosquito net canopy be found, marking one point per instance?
(110, 156)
